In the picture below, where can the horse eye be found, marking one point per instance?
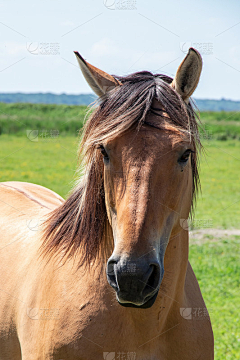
(103, 152)
(184, 158)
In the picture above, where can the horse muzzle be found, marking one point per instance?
(136, 282)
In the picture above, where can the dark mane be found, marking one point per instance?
(80, 223)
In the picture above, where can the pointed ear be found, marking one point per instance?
(99, 81)
(188, 74)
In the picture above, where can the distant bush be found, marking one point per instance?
(17, 118)
(86, 99)
(48, 98)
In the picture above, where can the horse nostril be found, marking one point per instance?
(111, 273)
(153, 278)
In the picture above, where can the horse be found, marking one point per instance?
(105, 274)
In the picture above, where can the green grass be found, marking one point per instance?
(219, 202)
(68, 119)
(51, 162)
(18, 118)
(221, 125)
(217, 267)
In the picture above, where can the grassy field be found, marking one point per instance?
(68, 119)
(49, 158)
(221, 125)
(47, 162)
(51, 162)
(18, 118)
(217, 267)
(219, 201)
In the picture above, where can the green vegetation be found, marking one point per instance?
(18, 118)
(218, 204)
(221, 125)
(86, 99)
(47, 162)
(68, 119)
(51, 162)
(52, 129)
(217, 267)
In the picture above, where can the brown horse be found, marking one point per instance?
(107, 275)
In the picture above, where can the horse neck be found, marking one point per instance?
(175, 265)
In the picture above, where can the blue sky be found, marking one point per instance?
(37, 39)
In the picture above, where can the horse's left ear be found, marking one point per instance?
(99, 81)
(188, 74)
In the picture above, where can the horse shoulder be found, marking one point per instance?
(23, 207)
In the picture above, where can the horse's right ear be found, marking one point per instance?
(99, 81)
(188, 74)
